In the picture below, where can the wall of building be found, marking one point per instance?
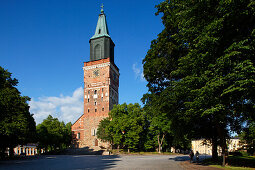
(28, 150)
(78, 132)
(101, 82)
(205, 146)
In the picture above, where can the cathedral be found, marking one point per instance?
(101, 84)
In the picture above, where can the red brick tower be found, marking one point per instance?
(101, 84)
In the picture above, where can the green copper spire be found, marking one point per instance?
(101, 29)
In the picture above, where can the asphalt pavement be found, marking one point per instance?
(77, 162)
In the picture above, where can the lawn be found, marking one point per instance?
(234, 162)
(121, 151)
(231, 167)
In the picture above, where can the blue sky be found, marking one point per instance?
(45, 42)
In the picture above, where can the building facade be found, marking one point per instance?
(29, 149)
(205, 147)
(101, 84)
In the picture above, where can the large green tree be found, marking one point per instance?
(54, 135)
(159, 121)
(17, 125)
(203, 64)
(104, 131)
(124, 127)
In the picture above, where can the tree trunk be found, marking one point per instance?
(222, 136)
(11, 152)
(160, 142)
(224, 154)
(2, 150)
(159, 145)
(214, 149)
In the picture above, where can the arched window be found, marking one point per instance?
(97, 52)
(78, 135)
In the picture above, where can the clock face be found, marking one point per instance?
(96, 73)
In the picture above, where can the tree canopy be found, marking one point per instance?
(137, 129)
(54, 135)
(124, 127)
(202, 67)
(17, 125)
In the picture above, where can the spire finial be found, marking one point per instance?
(102, 8)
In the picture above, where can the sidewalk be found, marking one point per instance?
(188, 165)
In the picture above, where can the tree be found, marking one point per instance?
(124, 127)
(159, 122)
(54, 135)
(248, 136)
(204, 61)
(17, 125)
(103, 131)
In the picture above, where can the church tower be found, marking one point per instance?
(101, 84)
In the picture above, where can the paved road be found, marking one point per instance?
(78, 162)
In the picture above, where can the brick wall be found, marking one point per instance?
(101, 83)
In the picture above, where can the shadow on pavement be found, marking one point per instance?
(82, 151)
(180, 158)
(184, 162)
(63, 162)
(186, 158)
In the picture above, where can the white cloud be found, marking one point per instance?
(65, 108)
(138, 72)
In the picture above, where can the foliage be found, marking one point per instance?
(17, 125)
(201, 68)
(53, 134)
(124, 127)
(248, 136)
(159, 123)
(103, 132)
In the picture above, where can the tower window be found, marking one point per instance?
(102, 109)
(95, 103)
(97, 52)
(78, 135)
(99, 31)
(88, 92)
(88, 100)
(95, 92)
(88, 110)
(102, 89)
(102, 98)
(95, 110)
(93, 132)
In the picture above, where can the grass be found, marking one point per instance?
(234, 162)
(121, 151)
(231, 167)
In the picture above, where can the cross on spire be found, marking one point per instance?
(102, 8)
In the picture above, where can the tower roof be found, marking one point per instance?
(101, 29)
